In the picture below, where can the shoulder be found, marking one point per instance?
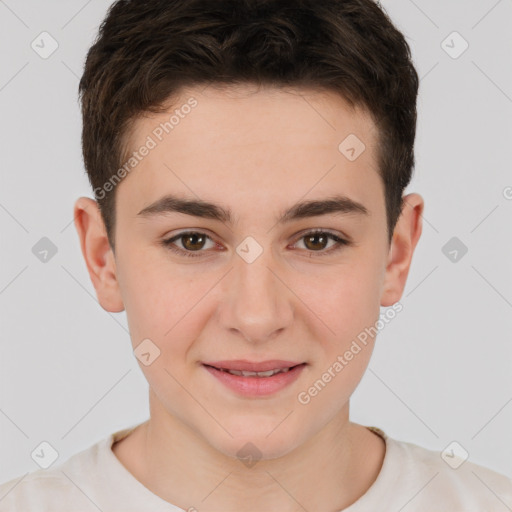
(63, 487)
(91, 480)
(37, 491)
(446, 479)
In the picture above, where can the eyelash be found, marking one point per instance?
(340, 242)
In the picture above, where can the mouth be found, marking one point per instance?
(253, 368)
(256, 374)
(255, 379)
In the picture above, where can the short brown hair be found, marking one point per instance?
(146, 51)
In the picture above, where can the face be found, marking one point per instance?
(254, 278)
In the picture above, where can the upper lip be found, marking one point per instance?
(253, 366)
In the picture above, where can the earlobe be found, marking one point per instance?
(97, 254)
(405, 237)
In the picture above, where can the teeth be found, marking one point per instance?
(268, 373)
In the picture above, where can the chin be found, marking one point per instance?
(258, 442)
(250, 450)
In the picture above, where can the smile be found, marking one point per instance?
(255, 374)
(249, 383)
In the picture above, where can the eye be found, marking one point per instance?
(193, 242)
(317, 240)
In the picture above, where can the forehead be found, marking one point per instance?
(242, 139)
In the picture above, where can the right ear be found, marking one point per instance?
(98, 254)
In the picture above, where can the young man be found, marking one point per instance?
(248, 158)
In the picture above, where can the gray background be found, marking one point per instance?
(441, 370)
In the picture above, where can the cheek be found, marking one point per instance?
(159, 301)
(349, 305)
(345, 299)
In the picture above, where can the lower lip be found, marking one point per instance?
(257, 386)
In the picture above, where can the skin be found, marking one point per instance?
(257, 152)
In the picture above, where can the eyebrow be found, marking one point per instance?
(169, 203)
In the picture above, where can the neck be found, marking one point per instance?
(330, 471)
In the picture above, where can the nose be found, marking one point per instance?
(257, 304)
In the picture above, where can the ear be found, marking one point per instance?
(405, 237)
(98, 254)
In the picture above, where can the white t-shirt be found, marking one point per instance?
(412, 479)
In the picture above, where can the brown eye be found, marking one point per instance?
(193, 241)
(316, 241)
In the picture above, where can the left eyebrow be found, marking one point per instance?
(199, 208)
(335, 204)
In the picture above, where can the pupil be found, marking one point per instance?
(313, 237)
(194, 245)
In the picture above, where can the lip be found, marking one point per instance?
(257, 386)
(253, 366)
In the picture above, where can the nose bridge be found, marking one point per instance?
(258, 305)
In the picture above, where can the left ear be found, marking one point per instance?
(405, 237)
